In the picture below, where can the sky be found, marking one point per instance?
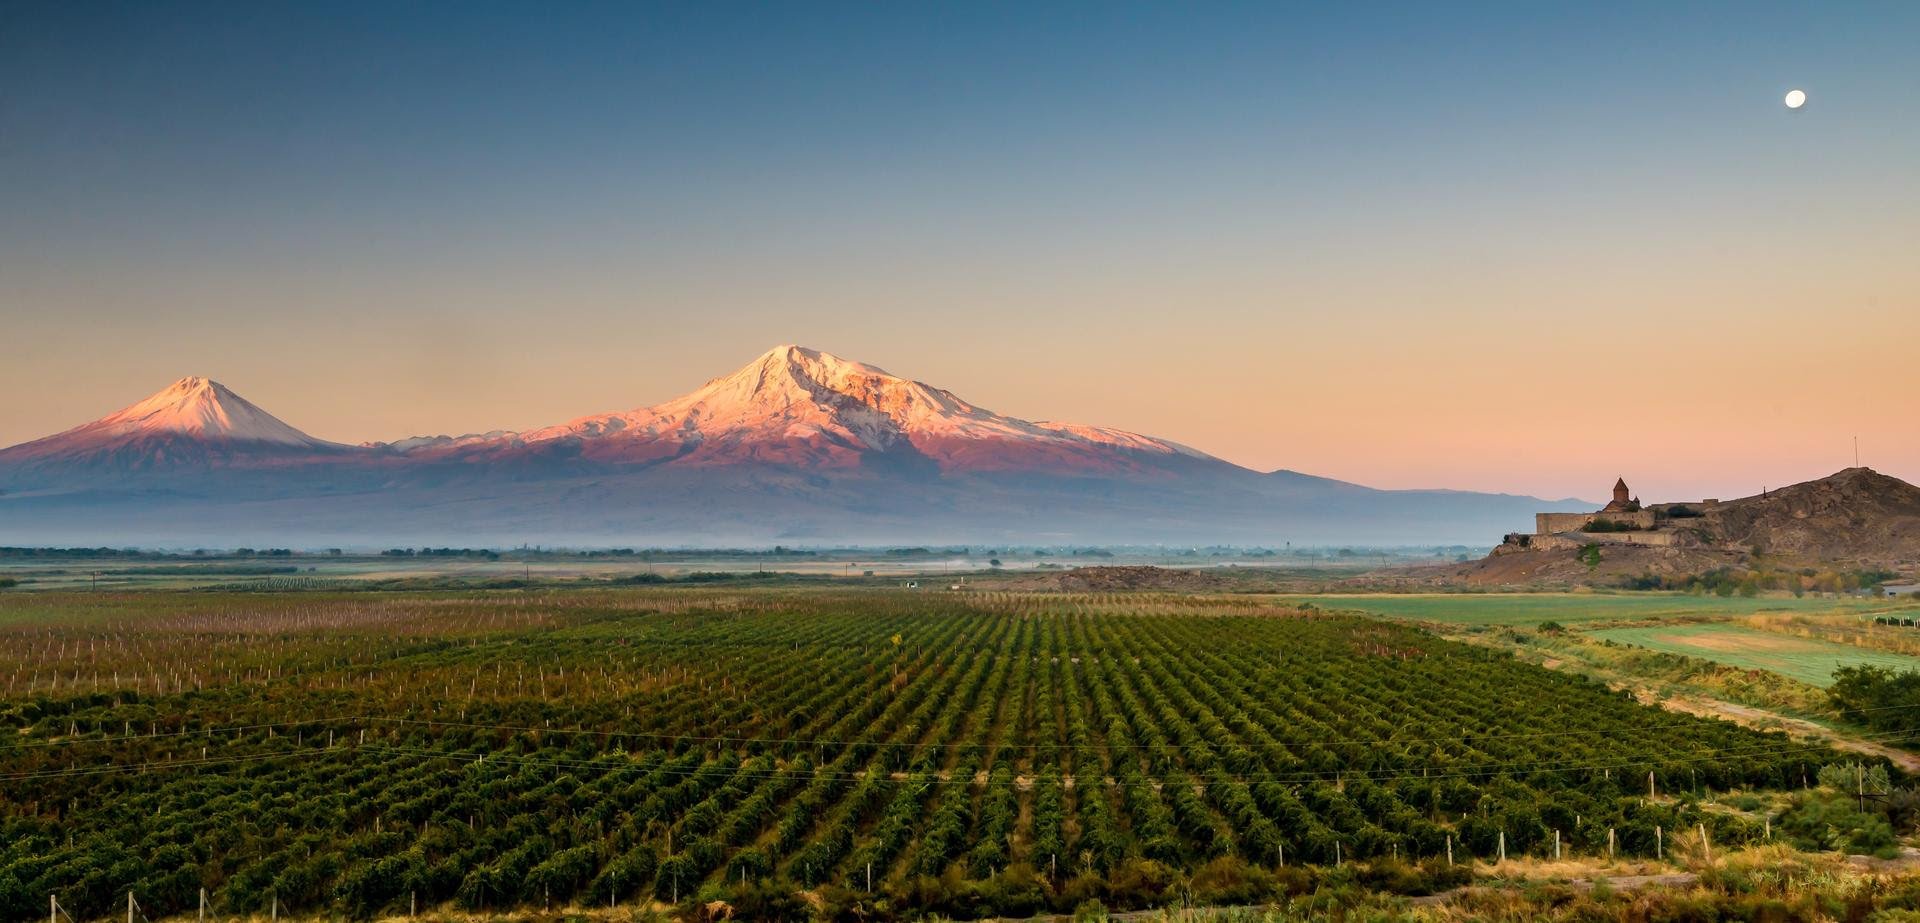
(1513, 247)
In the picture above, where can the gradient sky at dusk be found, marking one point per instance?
(1520, 247)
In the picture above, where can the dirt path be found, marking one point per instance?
(1623, 883)
(1709, 707)
(1749, 716)
(1908, 860)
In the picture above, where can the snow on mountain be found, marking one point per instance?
(797, 446)
(205, 409)
(794, 405)
(192, 419)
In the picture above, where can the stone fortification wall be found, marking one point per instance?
(1549, 523)
(1661, 538)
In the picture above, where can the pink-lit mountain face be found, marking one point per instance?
(799, 407)
(796, 447)
(192, 422)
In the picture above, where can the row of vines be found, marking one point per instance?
(593, 748)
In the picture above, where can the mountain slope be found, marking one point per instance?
(798, 446)
(194, 421)
(803, 407)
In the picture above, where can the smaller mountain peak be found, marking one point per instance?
(201, 407)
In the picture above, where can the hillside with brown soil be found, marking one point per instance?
(1610, 564)
(1856, 518)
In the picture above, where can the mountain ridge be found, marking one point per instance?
(194, 420)
(795, 405)
(795, 445)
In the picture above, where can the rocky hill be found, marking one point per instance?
(1855, 516)
(1855, 519)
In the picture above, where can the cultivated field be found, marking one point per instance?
(803, 751)
(1530, 609)
(1807, 660)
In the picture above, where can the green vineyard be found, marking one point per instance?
(363, 754)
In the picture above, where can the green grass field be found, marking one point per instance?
(1524, 609)
(1804, 659)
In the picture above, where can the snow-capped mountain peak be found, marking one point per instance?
(201, 408)
(794, 404)
(194, 420)
(794, 385)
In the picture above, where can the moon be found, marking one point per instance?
(1796, 98)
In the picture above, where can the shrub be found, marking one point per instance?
(1835, 821)
(1609, 525)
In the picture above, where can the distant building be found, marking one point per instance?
(1622, 501)
(1622, 521)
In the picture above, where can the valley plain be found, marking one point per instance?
(764, 745)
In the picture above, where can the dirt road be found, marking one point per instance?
(1749, 716)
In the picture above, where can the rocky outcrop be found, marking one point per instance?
(1855, 516)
